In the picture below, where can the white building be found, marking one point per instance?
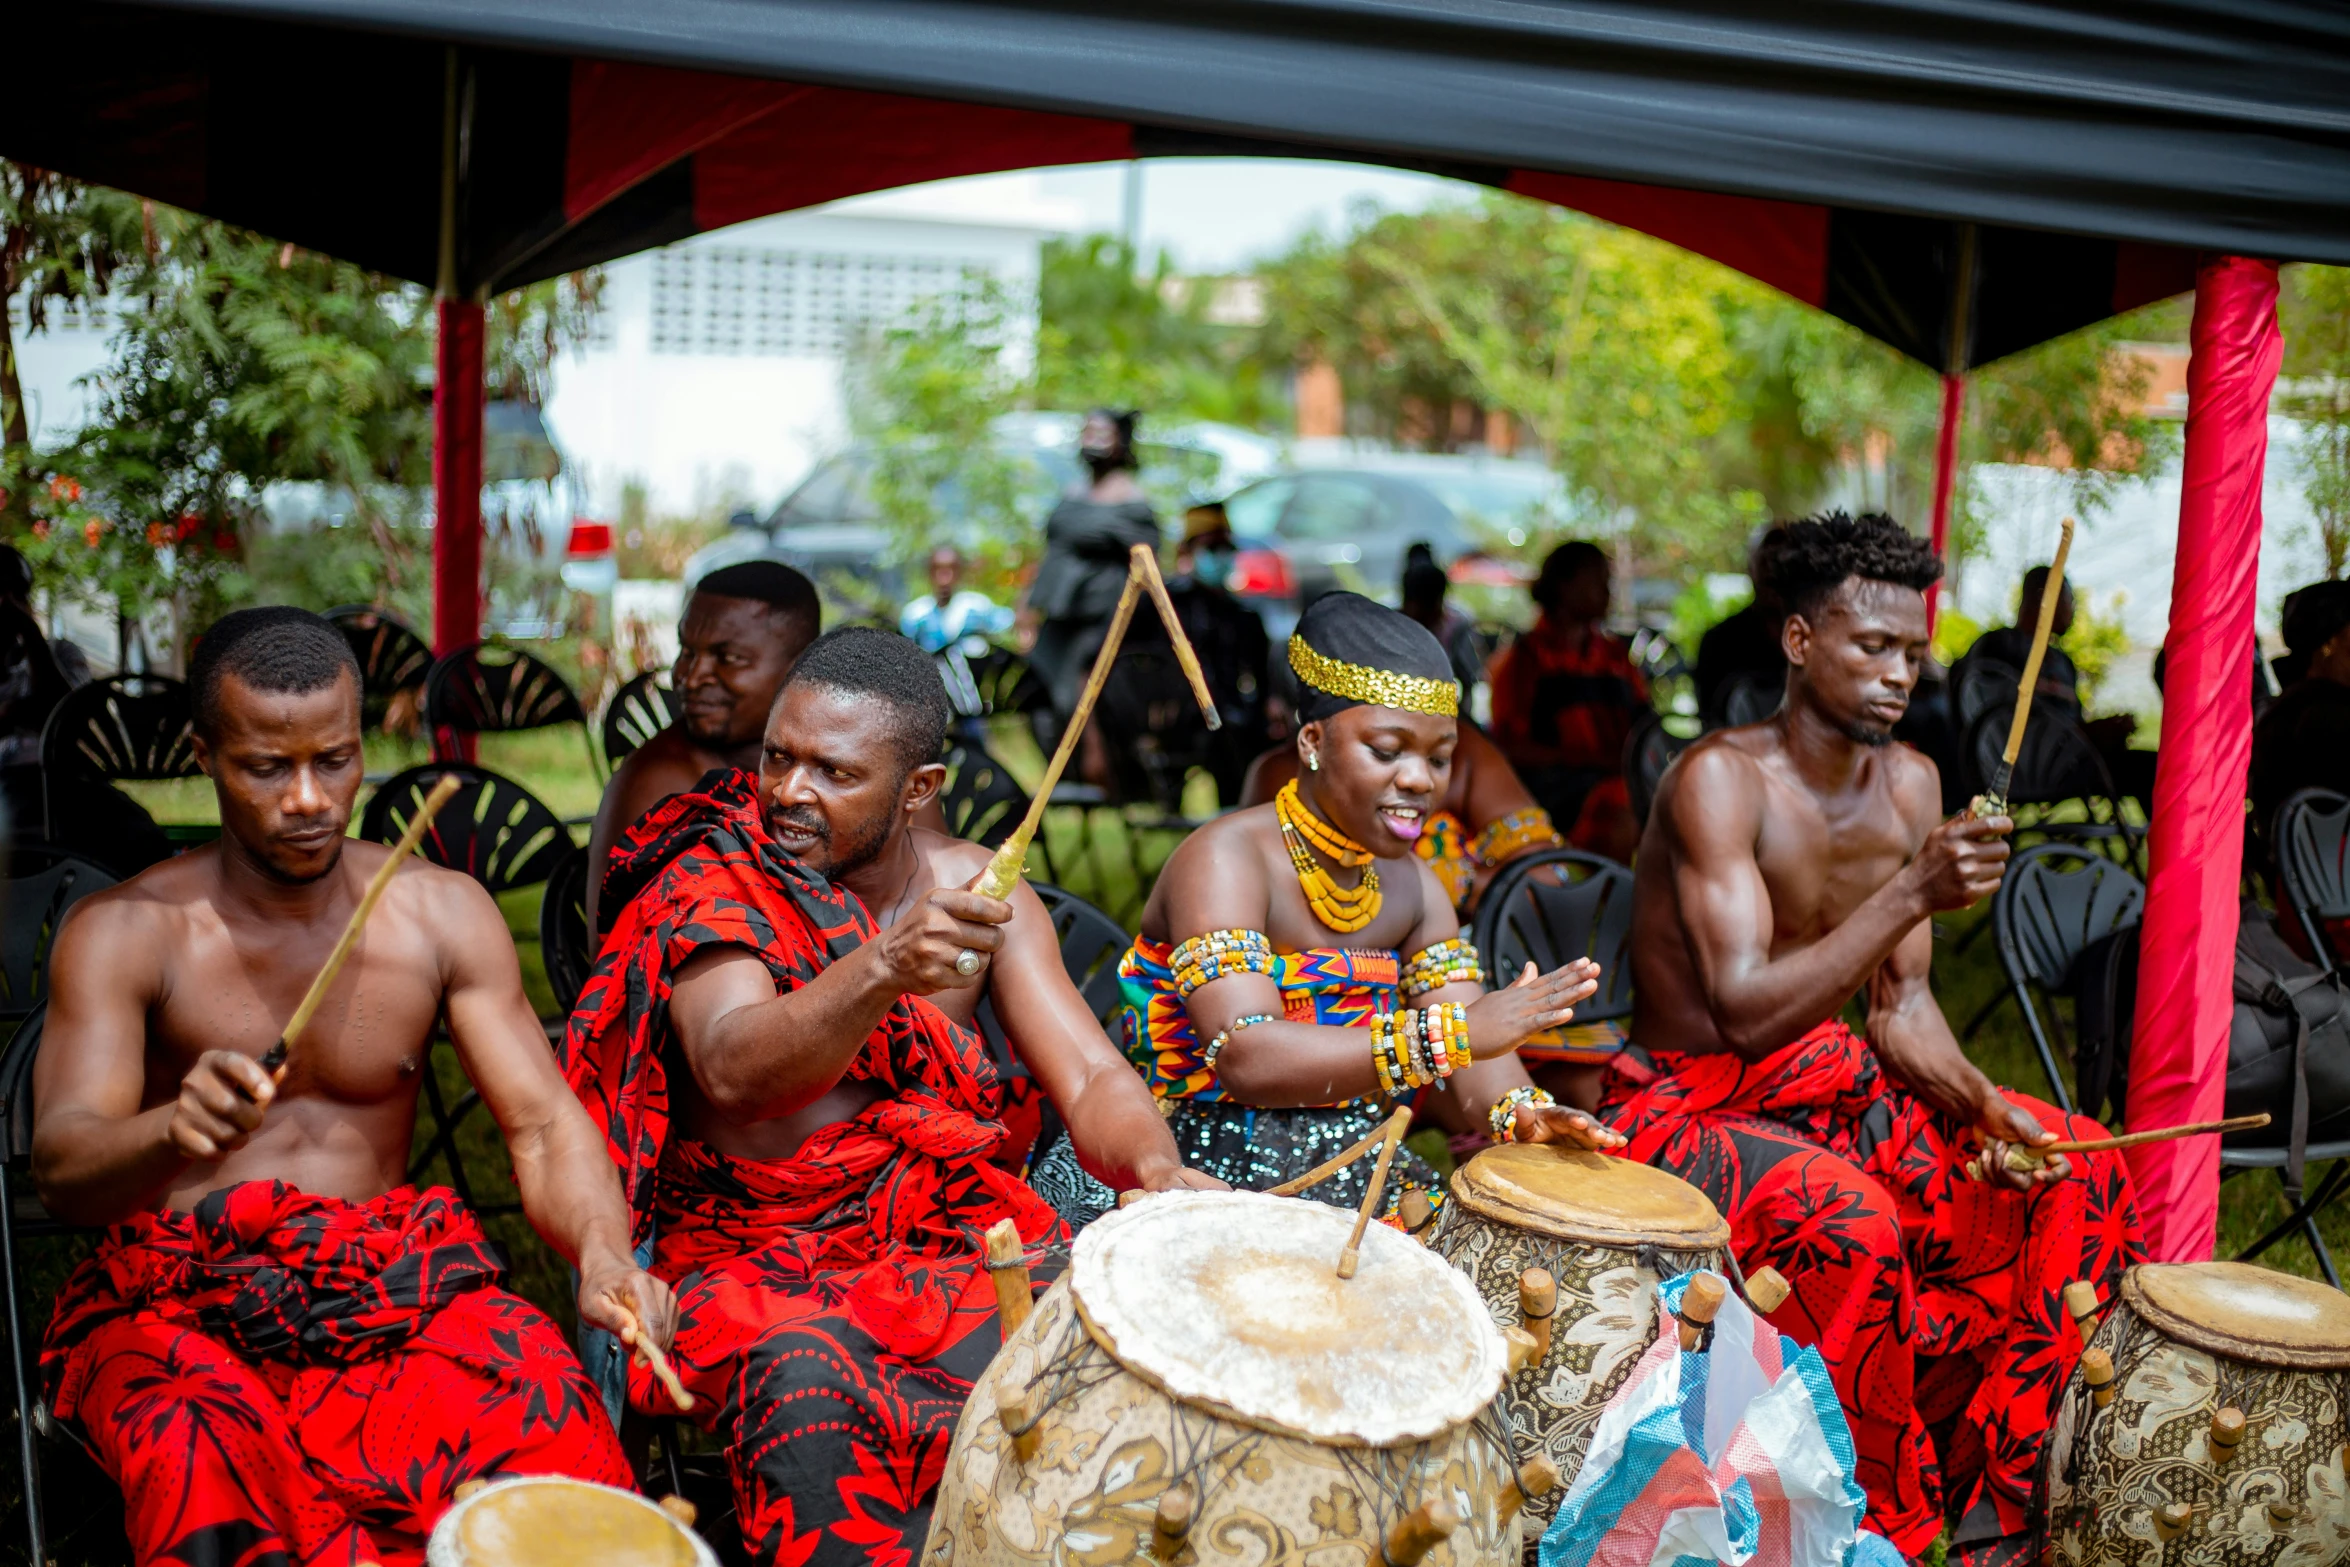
(715, 377)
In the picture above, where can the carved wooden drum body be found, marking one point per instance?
(1607, 1231)
(1201, 1388)
(2205, 1425)
(551, 1521)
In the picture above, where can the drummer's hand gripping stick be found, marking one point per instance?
(274, 1061)
(1993, 801)
(633, 1334)
(1142, 575)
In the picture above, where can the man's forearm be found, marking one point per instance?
(1115, 1126)
(94, 1170)
(571, 1193)
(1913, 1040)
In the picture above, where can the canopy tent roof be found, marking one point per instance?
(1960, 178)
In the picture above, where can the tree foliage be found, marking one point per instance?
(1109, 335)
(2316, 392)
(61, 242)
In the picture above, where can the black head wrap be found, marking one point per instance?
(1349, 651)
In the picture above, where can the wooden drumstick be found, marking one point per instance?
(1701, 1302)
(2024, 1159)
(1767, 1290)
(632, 1331)
(1007, 1264)
(274, 1060)
(1993, 801)
(1335, 1163)
(1537, 1476)
(1538, 1304)
(1146, 565)
(1393, 1133)
(1420, 1531)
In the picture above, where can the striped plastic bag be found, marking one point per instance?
(1737, 1453)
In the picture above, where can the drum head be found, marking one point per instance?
(2247, 1313)
(1233, 1300)
(1577, 1195)
(551, 1520)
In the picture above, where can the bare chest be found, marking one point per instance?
(1821, 862)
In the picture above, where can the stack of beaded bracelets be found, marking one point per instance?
(1444, 963)
(1224, 1037)
(1503, 1117)
(1419, 1045)
(1213, 954)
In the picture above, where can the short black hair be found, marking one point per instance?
(1821, 553)
(868, 661)
(1563, 565)
(770, 582)
(275, 647)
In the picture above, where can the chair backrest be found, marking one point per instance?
(1556, 906)
(492, 829)
(43, 884)
(16, 1090)
(1749, 698)
(1091, 945)
(2312, 838)
(566, 946)
(1980, 685)
(2057, 900)
(1648, 750)
(485, 690)
(982, 801)
(2058, 760)
(124, 726)
(638, 711)
(392, 657)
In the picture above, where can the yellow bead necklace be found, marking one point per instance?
(1344, 909)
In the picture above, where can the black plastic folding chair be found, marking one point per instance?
(21, 1216)
(2312, 839)
(638, 711)
(2056, 901)
(1556, 906)
(121, 727)
(42, 886)
(566, 945)
(1648, 750)
(1981, 685)
(983, 802)
(2058, 766)
(480, 690)
(392, 657)
(1749, 698)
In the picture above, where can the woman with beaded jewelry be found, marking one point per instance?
(1300, 970)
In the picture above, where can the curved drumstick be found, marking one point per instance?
(2024, 1158)
(274, 1061)
(632, 1332)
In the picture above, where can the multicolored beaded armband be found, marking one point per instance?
(1442, 963)
(1213, 954)
(1514, 834)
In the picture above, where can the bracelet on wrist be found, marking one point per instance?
(1502, 1119)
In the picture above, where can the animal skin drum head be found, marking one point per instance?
(1583, 1196)
(554, 1521)
(2249, 1313)
(1233, 1300)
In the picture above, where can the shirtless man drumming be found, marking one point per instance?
(279, 1351)
(1786, 867)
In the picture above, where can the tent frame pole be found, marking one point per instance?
(457, 410)
(1957, 351)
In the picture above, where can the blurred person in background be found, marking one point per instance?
(949, 612)
(1230, 639)
(1745, 642)
(2303, 740)
(1565, 697)
(1086, 540)
(1423, 588)
(2060, 683)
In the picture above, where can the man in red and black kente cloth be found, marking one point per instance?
(279, 1350)
(1787, 866)
(779, 1038)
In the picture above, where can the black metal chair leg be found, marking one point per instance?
(35, 1535)
(2304, 1218)
(666, 1434)
(444, 1136)
(2062, 1095)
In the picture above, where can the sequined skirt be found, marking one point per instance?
(1253, 1148)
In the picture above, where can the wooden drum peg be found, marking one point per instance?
(2227, 1434)
(680, 1509)
(1415, 1210)
(1523, 1349)
(1132, 1195)
(1767, 1290)
(1017, 1407)
(2080, 1303)
(1537, 1476)
(1171, 1524)
(2171, 1520)
(2283, 1515)
(1007, 1264)
(1420, 1531)
(1538, 1302)
(1700, 1303)
(2097, 1371)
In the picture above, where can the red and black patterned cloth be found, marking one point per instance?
(1935, 1300)
(834, 1307)
(280, 1379)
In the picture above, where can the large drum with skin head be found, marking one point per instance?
(2205, 1425)
(1202, 1388)
(552, 1521)
(1605, 1231)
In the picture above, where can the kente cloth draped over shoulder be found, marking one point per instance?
(282, 1378)
(834, 1307)
(1935, 1301)
(1243, 1145)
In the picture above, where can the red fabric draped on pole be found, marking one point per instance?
(456, 477)
(2178, 1061)
(1945, 475)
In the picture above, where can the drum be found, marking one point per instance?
(551, 1521)
(1599, 1233)
(2205, 1425)
(1201, 1388)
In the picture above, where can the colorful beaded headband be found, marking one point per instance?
(1378, 687)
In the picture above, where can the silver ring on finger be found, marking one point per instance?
(967, 962)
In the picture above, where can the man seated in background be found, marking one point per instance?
(2303, 740)
(949, 612)
(1422, 593)
(1565, 697)
(1787, 866)
(1746, 641)
(1229, 637)
(743, 626)
(2060, 684)
(279, 1350)
(785, 1061)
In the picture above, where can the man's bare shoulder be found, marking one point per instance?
(665, 765)
(952, 861)
(449, 908)
(150, 905)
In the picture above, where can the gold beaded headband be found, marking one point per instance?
(1379, 687)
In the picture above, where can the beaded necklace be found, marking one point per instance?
(1344, 909)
